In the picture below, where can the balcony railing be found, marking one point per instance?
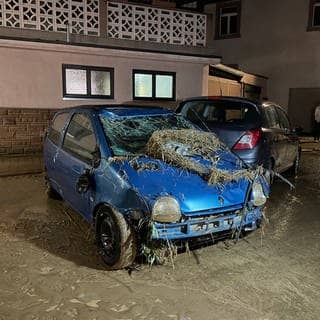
(143, 23)
(123, 20)
(51, 15)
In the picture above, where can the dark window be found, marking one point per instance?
(87, 82)
(251, 92)
(283, 119)
(80, 139)
(228, 19)
(57, 126)
(271, 117)
(314, 15)
(153, 85)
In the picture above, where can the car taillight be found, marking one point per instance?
(249, 140)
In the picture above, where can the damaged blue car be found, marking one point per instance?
(144, 174)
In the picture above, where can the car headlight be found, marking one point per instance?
(258, 197)
(166, 209)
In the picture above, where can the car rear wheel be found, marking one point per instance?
(115, 239)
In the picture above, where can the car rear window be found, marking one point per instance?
(57, 126)
(221, 112)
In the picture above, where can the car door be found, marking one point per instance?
(51, 148)
(289, 137)
(75, 160)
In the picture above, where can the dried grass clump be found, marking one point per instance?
(223, 176)
(198, 143)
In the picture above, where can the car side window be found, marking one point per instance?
(194, 111)
(57, 126)
(80, 139)
(284, 121)
(271, 117)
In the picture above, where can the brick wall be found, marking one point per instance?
(22, 130)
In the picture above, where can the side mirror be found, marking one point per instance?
(96, 157)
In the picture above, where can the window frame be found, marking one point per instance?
(275, 115)
(88, 70)
(154, 75)
(61, 134)
(66, 128)
(280, 111)
(311, 26)
(219, 7)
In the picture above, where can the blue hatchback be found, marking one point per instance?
(112, 165)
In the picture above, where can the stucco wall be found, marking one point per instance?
(274, 42)
(31, 73)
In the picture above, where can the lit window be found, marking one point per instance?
(228, 19)
(87, 82)
(151, 85)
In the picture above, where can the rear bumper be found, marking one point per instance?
(201, 226)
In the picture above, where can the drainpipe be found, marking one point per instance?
(68, 32)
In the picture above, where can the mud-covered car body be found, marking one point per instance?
(89, 168)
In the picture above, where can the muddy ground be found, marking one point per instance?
(50, 269)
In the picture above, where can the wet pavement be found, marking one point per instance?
(49, 268)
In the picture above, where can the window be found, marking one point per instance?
(57, 126)
(271, 117)
(252, 92)
(283, 119)
(151, 85)
(87, 82)
(228, 19)
(314, 15)
(220, 111)
(80, 139)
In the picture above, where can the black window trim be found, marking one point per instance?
(311, 26)
(68, 151)
(88, 70)
(154, 74)
(227, 4)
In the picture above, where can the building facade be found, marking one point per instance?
(279, 39)
(56, 54)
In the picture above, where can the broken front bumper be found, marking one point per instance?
(200, 226)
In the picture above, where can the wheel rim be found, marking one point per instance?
(109, 238)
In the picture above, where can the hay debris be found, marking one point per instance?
(182, 147)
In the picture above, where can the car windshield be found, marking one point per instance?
(129, 136)
(220, 112)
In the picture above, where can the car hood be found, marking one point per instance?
(153, 179)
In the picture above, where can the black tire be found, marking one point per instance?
(50, 192)
(115, 239)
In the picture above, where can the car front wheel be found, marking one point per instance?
(115, 239)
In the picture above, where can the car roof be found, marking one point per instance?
(120, 110)
(230, 98)
(256, 104)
